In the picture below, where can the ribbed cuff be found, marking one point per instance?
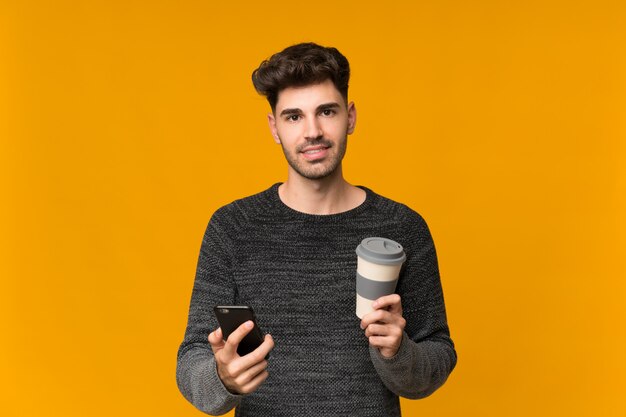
(396, 372)
(226, 399)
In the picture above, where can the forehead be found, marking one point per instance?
(308, 96)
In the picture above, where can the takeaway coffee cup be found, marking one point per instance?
(378, 266)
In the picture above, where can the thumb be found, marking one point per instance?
(216, 339)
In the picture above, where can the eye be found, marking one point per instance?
(293, 118)
(328, 112)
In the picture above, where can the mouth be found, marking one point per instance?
(316, 152)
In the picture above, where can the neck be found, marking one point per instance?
(329, 195)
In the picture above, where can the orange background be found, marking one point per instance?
(125, 124)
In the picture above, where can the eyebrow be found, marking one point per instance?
(319, 108)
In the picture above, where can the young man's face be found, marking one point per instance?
(311, 123)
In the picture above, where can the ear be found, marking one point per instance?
(271, 120)
(351, 117)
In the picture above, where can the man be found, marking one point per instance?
(289, 252)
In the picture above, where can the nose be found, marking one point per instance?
(313, 129)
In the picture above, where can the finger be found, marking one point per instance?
(240, 364)
(378, 341)
(377, 330)
(230, 347)
(258, 354)
(215, 340)
(380, 329)
(391, 302)
(254, 384)
(374, 317)
(382, 342)
(249, 374)
(385, 318)
(390, 330)
(386, 346)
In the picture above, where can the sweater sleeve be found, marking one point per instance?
(426, 356)
(196, 373)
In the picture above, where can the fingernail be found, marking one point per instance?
(375, 304)
(249, 324)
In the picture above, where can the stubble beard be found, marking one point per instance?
(321, 169)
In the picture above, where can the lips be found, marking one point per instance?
(312, 153)
(314, 149)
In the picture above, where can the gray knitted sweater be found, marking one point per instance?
(298, 273)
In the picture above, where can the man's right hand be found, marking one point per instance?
(240, 374)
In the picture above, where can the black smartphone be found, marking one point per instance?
(231, 317)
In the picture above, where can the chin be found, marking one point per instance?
(317, 175)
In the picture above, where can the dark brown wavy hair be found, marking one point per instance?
(300, 65)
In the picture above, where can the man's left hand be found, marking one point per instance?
(384, 326)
